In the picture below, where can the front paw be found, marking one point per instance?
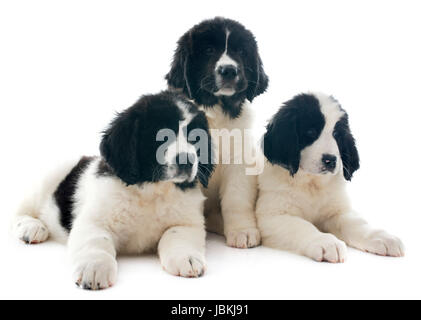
(188, 265)
(383, 244)
(326, 248)
(243, 238)
(95, 271)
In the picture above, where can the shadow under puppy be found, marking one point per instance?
(131, 200)
(303, 206)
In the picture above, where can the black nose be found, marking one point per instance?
(185, 162)
(329, 161)
(228, 72)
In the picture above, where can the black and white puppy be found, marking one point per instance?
(217, 64)
(303, 206)
(129, 200)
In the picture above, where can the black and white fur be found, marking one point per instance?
(126, 201)
(217, 64)
(303, 206)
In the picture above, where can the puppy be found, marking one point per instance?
(217, 64)
(137, 197)
(303, 206)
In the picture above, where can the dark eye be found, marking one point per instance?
(312, 133)
(239, 51)
(209, 50)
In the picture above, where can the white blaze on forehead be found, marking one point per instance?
(225, 58)
(181, 144)
(330, 109)
(187, 115)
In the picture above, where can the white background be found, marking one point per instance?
(67, 66)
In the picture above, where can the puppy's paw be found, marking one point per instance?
(95, 272)
(30, 230)
(327, 248)
(383, 244)
(243, 238)
(190, 265)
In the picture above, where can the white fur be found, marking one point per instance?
(230, 191)
(112, 218)
(310, 213)
(225, 60)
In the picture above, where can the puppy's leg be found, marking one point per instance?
(238, 197)
(295, 234)
(93, 255)
(358, 234)
(182, 251)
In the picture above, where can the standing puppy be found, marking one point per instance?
(303, 206)
(141, 195)
(217, 64)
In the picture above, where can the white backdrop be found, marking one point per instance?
(67, 66)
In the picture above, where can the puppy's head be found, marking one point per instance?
(218, 61)
(311, 132)
(162, 137)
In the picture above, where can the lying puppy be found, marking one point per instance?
(217, 64)
(129, 200)
(303, 206)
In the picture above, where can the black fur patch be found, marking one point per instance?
(232, 106)
(64, 195)
(295, 126)
(199, 49)
(104, 170)
(347, 148)
(186, 185)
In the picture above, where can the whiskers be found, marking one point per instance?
(203, 172)
(205, 82)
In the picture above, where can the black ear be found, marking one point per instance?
(347, 147)
(259, 82)
(119, 148)
(206, 161)
(177, 77)
(280, 142)
(205, 174)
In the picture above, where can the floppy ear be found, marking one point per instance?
(280, 142)
(207, 167)
(119, 147)
(206, 171)
(347, 147)
(259, 81)
(177, 77)
(206, 158)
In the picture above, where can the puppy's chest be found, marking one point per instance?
(141, 219)
(229, 133)
(218, 119)
(316, 200)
